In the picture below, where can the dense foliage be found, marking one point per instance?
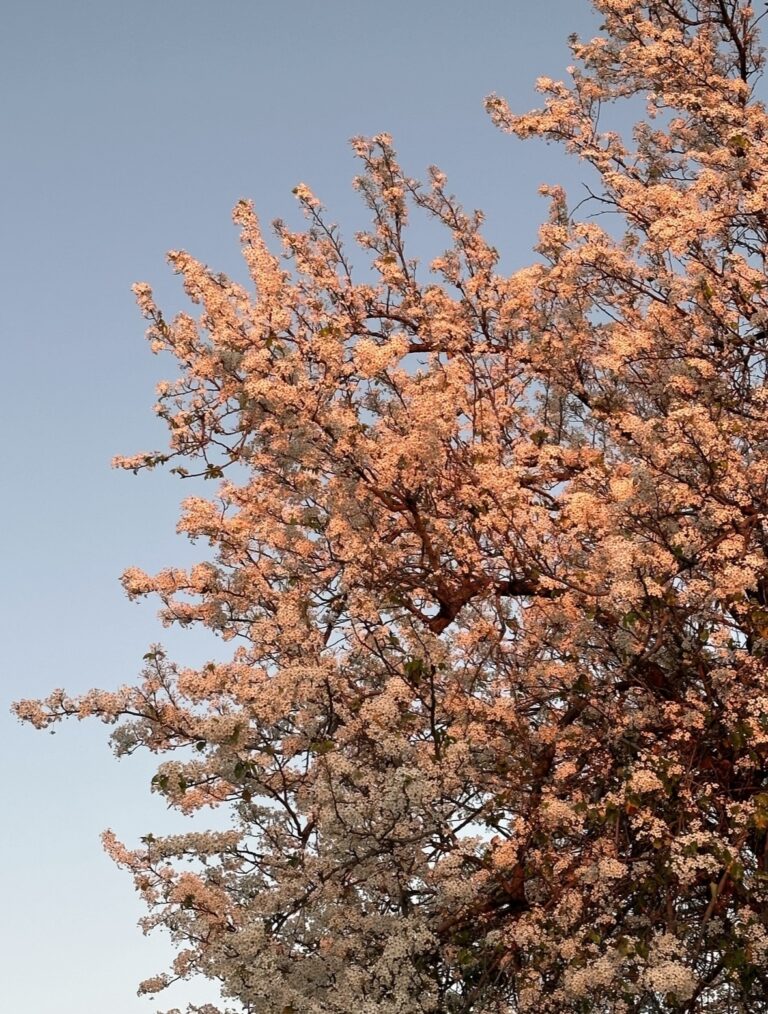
(493, 553)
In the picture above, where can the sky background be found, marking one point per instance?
(131, 128)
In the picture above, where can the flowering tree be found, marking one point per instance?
(493, 552)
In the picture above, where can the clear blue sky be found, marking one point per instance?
(129, 129)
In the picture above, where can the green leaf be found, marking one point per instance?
(321, 746)
(414, 670)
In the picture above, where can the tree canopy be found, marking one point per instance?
(492, 551)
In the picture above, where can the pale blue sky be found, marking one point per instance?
(130, 128)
